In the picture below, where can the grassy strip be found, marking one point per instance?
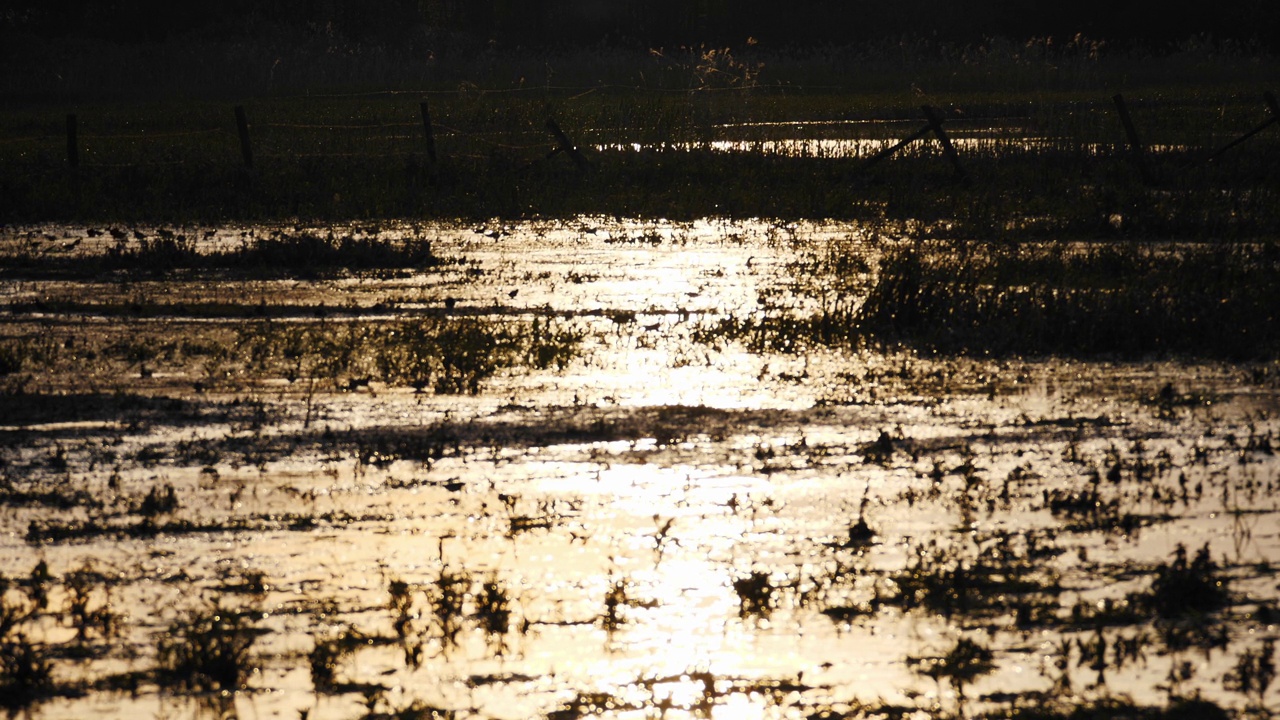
(55, 531)
(1117, 299)
(1126, 300)
(282, 253)
(443, 355)
(448, 356)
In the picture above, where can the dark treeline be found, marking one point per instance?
(650, 22)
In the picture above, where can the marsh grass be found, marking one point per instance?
(448, 598)
(327, 656)
(439, 354)
(616, 598)
(1059, 299)
(160, 500)
(494, 609)
(963, 664)
(1113, 708)
(1254, 673)
(26, 668)
(41, 532)
(279, 252)
(1002, 576)
(26, 673)
(447, 356)
(1188, 587)
(207, 650)
(30, 656)
(89, 606)
(12, 357)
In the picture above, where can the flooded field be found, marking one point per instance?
(831, 140)
(600, 468)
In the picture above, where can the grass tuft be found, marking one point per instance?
(208, 649)
(26, 673)
(1185, 587)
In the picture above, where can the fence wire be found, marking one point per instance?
(279, 140)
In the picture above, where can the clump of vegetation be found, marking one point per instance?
(327, 655)
(89, 604)
(400, 603)
(615, 599)
(755, 594)
(449, 357)
(964, 663)
(1254, 673)
(26, 672)
(38, 585)
(1111, 708)
(1185, 587)
(448, 598)
(208, 649)
(159, 500)
(12, 356)
(1091, 507)
(493, 607)
(445, 355)
(1001, 575)
(27, 665)
(26, 669)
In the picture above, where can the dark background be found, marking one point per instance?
(652, 23)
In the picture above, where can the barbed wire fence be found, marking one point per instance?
(271, 140)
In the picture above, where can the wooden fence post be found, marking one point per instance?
(935, 124)
(431, 138)
(242, 124)
(566, 146)
(73, 145)
(1135, 144)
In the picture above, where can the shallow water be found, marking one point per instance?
(668, 515)
(845, 139)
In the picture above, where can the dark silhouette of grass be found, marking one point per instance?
(208, 650)
(1188, 587)
(282, 253)
(26, 673)
(1114, 299)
